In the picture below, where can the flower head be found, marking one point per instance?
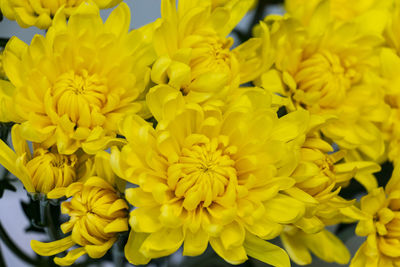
(209, 175)
(331, 70)
(342, 10)
(319, 176)
(390, 61)
(51, 170)
(194, 54)
(41, 13)
(44, 171)
(381, 226)
(97, 215)
(72, 86)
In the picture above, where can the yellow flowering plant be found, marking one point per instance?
(211, 136)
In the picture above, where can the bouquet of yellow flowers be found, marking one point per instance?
(189, 136)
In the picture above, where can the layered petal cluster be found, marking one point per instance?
(97, 216)
(372, 12)
(71, 87)
(41, 13)
(194, 53)
(390, 62)
(331, 69)
(319, 176)
(210, 175)
(381, 227)
(43, 171)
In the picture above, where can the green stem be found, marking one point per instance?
(14, 248)
(51, 227)
(2, 262)
(43, 206)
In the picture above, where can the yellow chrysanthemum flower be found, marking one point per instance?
(331, 70)
(97, 215)
(371, 12)
(41, 13)
(74, 85)
(382, 247)
(46, 172)
(319, 177)
(43, 171)
(390, 62)
(194, 54)
(207, 176)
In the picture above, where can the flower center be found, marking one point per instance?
(202, 173)
(323, 79)
(77, 95)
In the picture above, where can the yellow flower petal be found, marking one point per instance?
(119, 20)
(98, 251)
(9, 160)
(145, 220)
(117, 225)
(161, 98)
(162, 243)
(234, 255)
(57, 193)
(265, 251)
(296, 249)
(328, 247)
(71, 257)
(283, 209)
(52, 248)
(195, 243)
(132, 248)
(232, 235)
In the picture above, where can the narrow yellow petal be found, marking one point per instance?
(119, 20)
(52, 248)
(98, 251)
(328, 247)
(118, 225)
(71, 257)
(57, 193)
(265, 251)
(297, 251)
(9, 160)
